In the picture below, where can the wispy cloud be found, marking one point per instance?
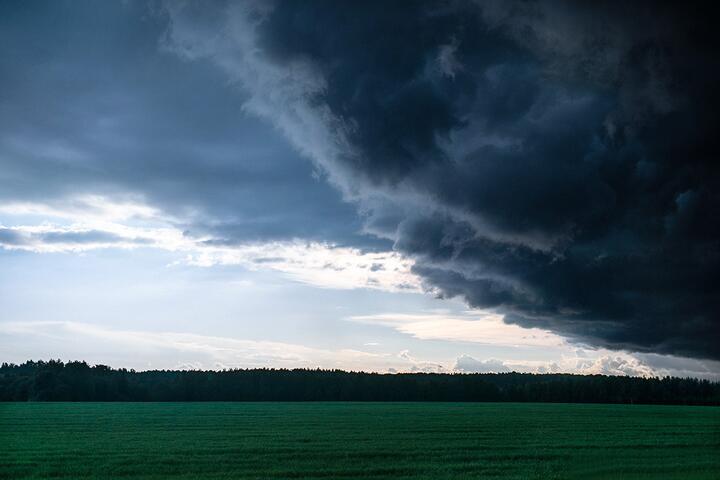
(199, 351)
(181, 350)
(92, 223)
(597, 362)
(474, 327)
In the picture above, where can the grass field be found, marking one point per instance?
(357, 440)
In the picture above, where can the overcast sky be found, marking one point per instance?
(407, 186)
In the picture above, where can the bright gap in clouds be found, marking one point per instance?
(94, 222)
(435, 340)
(144, 350)
(201, 185)
(473, 326)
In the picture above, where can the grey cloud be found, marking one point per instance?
(666, 365)
(551, 160)
(11, 237)
(561, 174)
(42, 240)
(90, 236)
(270, 260)
(90, 104)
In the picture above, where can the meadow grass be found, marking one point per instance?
(357, 440)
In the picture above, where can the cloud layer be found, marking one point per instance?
(91, 104)
(167, 349)
(91, 223)
(551, 162)
(554, 162)
(485, 328)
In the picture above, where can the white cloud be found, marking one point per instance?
(317, 264)
(422, 366)
(625, 365)
(468, 364)
(95, 209)
(474, 327)
(92, 223)
(486, 328)
(148, 349)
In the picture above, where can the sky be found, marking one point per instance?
(483, 186)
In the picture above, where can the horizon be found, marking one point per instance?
(340, 370)
(481, 188)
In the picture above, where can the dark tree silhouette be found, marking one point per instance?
(77, 381)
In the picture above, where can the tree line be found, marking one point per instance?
(77, 381)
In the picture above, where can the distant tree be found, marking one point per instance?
(54, 380)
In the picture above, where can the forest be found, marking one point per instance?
(55, 380)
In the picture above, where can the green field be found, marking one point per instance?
(357, 440)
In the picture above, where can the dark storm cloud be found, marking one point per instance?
(553, 160)
(89, 104)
